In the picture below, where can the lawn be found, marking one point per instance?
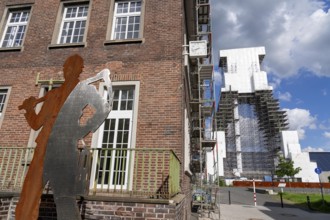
(315, 201)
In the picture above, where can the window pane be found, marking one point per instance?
(119, 137)
(124, 94)
(74, 12)
(123, 105)
(68, 13)
(122, 7)
(80, 39)
(81, 12)
(135, 7)
(125, 137)
(15, 29)
(120, 124)
(131, 94)
(9, 37)
(25, 16)
(19, 36)
(127, 20)
(3, 95)
(115, 100)
(74, 24)
(105, 136)
(115, 105)
(15, 17)
(126, 125)
(129, 105)
(108, 133)
(116, 94)
(130, 27)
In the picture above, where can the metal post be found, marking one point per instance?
(321, 190)
(281, 200)
(309, 203)
(229, 197)
(254, 193)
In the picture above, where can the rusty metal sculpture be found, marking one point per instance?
(56, 155)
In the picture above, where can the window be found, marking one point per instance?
(4, 92)
(73, 26)
(126, 20)
(115, 136)
(15, 28)
(3, 96)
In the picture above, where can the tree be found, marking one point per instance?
(285, 167)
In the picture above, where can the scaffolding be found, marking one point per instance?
(252, 123)
(201, 93)
(202, 104)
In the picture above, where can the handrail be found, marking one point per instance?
(139, 172)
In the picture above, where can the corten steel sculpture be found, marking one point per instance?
(55, 159)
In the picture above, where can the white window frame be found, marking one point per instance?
(112, 21)
(98, 135)
(6, 23)
(127, 15)
(4, 102)
(74, 20)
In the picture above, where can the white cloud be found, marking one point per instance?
(284, 96)
(324, 92)
(313, 149)
(217, 77)
(326, 134)
(300, 120)
(294, 32)
(325, 125)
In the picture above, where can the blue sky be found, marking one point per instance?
(296, 35)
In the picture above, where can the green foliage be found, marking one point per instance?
(285, 167)
(315, 200)
(221, 182)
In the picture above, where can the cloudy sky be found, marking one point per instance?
(296, 35)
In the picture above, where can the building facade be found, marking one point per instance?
(148, 132)
(252, 128)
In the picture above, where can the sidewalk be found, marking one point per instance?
(206, 215)
(246, 212)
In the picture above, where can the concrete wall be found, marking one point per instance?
(213, 159)
(244, 70)
(291, 149)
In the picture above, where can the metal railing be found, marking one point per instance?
(14, 163)
(139, 172)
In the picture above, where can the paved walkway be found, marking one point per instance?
(268, 208)
(246, 212)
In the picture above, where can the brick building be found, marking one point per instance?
(141, 42)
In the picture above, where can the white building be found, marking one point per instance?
(252, 128)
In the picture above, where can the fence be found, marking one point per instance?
(139, 172)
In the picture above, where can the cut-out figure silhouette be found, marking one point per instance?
(55, 158)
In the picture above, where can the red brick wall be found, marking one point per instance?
(288, 184)
(96, 209)
(156, 63)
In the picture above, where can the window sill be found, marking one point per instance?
(4, 49)
(58, 46)
(125, 41)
